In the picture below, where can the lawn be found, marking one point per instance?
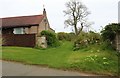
(91, 60)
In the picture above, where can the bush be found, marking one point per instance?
(109, 32)
(52, 40)
(85, 39)
(106, 45)
(65, 36)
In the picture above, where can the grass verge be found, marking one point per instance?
(92, 59)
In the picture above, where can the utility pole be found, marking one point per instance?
(118, 49)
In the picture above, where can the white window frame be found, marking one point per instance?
(18, 31)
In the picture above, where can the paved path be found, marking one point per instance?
(18, 69)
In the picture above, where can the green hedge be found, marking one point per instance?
(109, 31)
(52, 40)
(65, 36)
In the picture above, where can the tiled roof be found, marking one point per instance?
(21, 21)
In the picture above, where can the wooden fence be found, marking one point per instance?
(22, 40)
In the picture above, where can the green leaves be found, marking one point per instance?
(52, 40)
(110, 31)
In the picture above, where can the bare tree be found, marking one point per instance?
(76, 14)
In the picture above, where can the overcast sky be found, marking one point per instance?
(103, 12)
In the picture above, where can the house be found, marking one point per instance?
(24, 30)
(26, 24)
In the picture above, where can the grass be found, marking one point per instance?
(92, 59)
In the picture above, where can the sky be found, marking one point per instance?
(119, 12)
(103, 12)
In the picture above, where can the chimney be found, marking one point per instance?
(44, 12)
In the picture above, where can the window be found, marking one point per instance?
(18, 31)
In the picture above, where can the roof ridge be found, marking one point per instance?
(22, 16)
(22, 20)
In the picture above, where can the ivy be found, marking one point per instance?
(110, 31)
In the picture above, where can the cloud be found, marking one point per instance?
(102, 11)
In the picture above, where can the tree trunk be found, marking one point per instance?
(76, 30)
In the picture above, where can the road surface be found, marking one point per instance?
(19, 69)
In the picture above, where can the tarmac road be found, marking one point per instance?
(18, 69)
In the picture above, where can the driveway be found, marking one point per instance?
(18, 69)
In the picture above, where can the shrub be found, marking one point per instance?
(52, 40)
(85, 39)
(106, 45)
(109, 32)
(65, 36)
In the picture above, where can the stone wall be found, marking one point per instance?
(41, 42)
(37, 29)
(31, 30)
